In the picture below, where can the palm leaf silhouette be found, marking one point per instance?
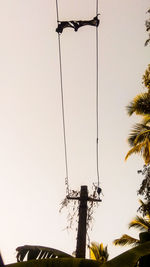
(38, 252)
(139, 132)
(140, 223)
(140, 105)
(98, 252)
(126, 240)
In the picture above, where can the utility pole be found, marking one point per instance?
(82, 222)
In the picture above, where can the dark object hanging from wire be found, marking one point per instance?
(76, 24)
(99, 190)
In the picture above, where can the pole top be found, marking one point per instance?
(83, 186)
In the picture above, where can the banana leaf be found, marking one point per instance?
(130, 257)
(126, 259)
(39, 252)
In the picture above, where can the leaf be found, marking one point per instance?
(38, 252)
(137, 130)
(138, 136)
(135, 149)
(125, 240)
(126, 259)
(140, 105)
(98, 252)
(130, 257)
(140, 223)
(147, 42)
(92, 255)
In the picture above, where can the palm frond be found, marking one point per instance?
(98, 252)
(147, 42)
(39, 252)
(94, 251)
(146, 151)
(141, 135)
(140, 105)
(146, 119)
(144, 206)
(143, 148)
(146, 76)
(135, 149)
(140, 223)
(148, 217)
(126, 240)
(103, 252)
(139, 132)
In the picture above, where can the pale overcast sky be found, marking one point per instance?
(32, 169)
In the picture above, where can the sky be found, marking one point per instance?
(32, 167)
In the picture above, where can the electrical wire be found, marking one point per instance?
(63, 109)
(57, 11)
(97, 101)
(62, 103)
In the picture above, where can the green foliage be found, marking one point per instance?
(126, 240)
(39, 252)
(126, 259)
(145, 206)
(59, 262)
(140, 105)
(145, 191)
(139, 133)
(140, 223)
(139, 138)
(130, 257)
(146, 78)
(98, 252)
(143, 148)
(147, 24)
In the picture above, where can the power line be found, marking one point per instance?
(62, 104)
(96, 7)
(72, 24)
(57, 11)
(97, 101)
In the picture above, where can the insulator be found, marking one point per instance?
(99, 190)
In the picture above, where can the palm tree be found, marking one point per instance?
(139, 139)
(98, 252)
(141, 103)
(140, 223)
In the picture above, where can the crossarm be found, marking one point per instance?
(76, 24)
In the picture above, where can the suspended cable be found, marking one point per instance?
(76, 24)
(57, 11)
(96, 7)
(62, 104)
(97, 101)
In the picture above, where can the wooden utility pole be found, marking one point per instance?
(82, 223)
